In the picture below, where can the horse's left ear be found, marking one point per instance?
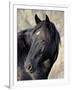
(37, 20)
(47, 19)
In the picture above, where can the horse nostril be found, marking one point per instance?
(30, 67)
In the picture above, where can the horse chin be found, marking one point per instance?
(38, 76)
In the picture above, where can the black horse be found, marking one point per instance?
(37, 49)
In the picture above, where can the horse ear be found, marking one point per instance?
(47, 19)
(37, 20)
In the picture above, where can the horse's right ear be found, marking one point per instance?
(47, 19)
(37, 20)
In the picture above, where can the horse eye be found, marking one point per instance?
(42, 41)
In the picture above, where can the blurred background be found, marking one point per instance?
(26, 19)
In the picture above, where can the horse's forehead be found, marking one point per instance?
(41, 32)
(37, 33)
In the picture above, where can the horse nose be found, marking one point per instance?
(29, 67)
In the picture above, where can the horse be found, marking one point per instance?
(37, 49)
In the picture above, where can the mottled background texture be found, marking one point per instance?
(25, 19)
